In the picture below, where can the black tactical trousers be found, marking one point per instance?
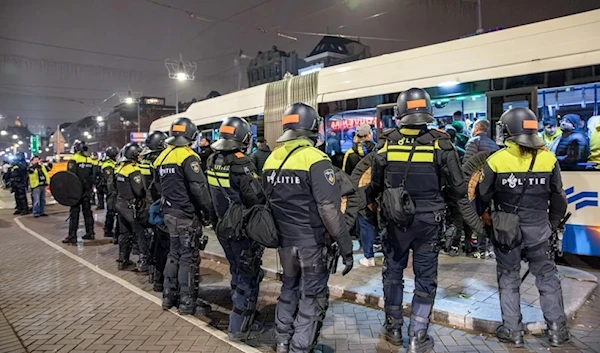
(304, 297)
(109, 221)
(244, 257)
(129, 229)
(159, 251)
(101, 191)
(421, 237)
(20, 191)
(86, 208)
(546, 279)
(182, 268)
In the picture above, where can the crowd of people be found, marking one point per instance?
(21, 177)
(401, 194)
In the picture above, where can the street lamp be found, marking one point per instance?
(99, 118)
(47, 149)
(15, 137)
(20, 142)
(181, 71)
(3, 133)
(66, 144)
(130, 98)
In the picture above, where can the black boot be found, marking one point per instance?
(282, 348)
(506, 335)
(169, 299)
(142, 265)
(109, 234)
(202, 309)
(70, 239)
(187, 304)
(392, 331)
(89, 236)
(123, 261)
(419, 342)
(558, 334)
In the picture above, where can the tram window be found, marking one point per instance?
(574, 109)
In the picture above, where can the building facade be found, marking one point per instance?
(272, 65)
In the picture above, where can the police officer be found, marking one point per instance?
(185, 195)
(18, 183)
(159, 241)
(107, 169)
(100, 185)
(305, 201)
(97, 191)
(142, 210)
(430, 157)
(232, 179)
(82, 165)
(540, 207)
(130, 189)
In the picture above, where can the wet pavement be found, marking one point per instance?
(60, 298)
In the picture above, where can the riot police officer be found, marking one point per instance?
(232, 180)
(18, 182)
(158, 245)
(97, 192)
(524, 179)
(305, 202)
(82, 165)
(142, 210)
(409, 165)
(130, 189)
(107, 171)
(185, 195)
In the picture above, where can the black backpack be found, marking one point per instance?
(229, 226)
(396, 203)
(259, 224)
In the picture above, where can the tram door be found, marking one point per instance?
(500, 101)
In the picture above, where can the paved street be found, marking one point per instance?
(60, 298)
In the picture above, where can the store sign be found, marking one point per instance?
(353, 123)
(138, 136)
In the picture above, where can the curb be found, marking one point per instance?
(461, 318)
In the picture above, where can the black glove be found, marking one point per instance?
(348, 263)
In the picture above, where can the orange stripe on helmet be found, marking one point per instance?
(227, 130)
(178, 128)
(417, 103)
(291, 119)
(530, 124)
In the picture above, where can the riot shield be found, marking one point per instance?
(66, 188)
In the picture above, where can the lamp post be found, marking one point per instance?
(181, 71)
(130, 98)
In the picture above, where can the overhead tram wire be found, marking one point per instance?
(227, 19)
(79, 49)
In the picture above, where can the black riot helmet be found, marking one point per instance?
(520, 125)
(414, 107)
(155, 142)
(112, 152)
(235, 133)
(299, 120)
(20, 156)
(183, 132)
(79, 146)
(131, 152)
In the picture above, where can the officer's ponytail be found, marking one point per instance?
(526, 150)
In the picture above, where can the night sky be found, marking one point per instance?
(59, 59)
